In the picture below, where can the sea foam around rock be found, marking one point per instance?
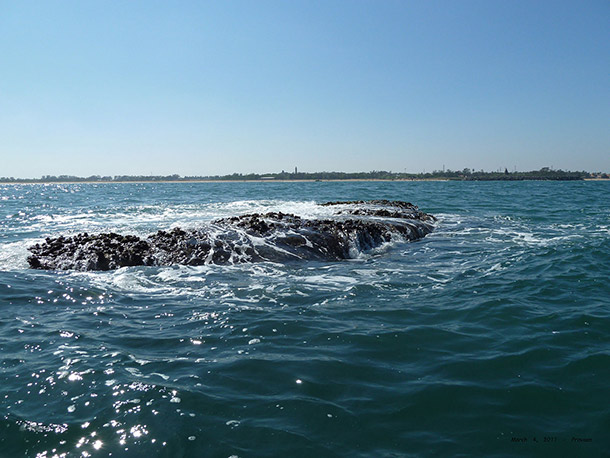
(353, 227)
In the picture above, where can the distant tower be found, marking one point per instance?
(295, 170)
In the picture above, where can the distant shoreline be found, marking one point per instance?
(305, 180)
(544, 174)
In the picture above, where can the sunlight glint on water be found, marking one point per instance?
(494, 326)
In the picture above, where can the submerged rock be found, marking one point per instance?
(354, 227)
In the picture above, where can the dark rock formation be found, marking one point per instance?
(354, 227)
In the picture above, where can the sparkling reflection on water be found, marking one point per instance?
(495, 325)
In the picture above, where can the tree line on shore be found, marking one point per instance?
(466, 174)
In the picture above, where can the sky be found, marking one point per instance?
(200, 88)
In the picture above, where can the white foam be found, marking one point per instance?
(14, 255)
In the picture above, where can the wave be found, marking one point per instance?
(345, 230)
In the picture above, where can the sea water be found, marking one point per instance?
(489, 337)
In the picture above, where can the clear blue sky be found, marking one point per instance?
(201, 88)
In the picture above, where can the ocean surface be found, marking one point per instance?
(489, 337)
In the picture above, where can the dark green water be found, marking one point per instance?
(490, 337)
